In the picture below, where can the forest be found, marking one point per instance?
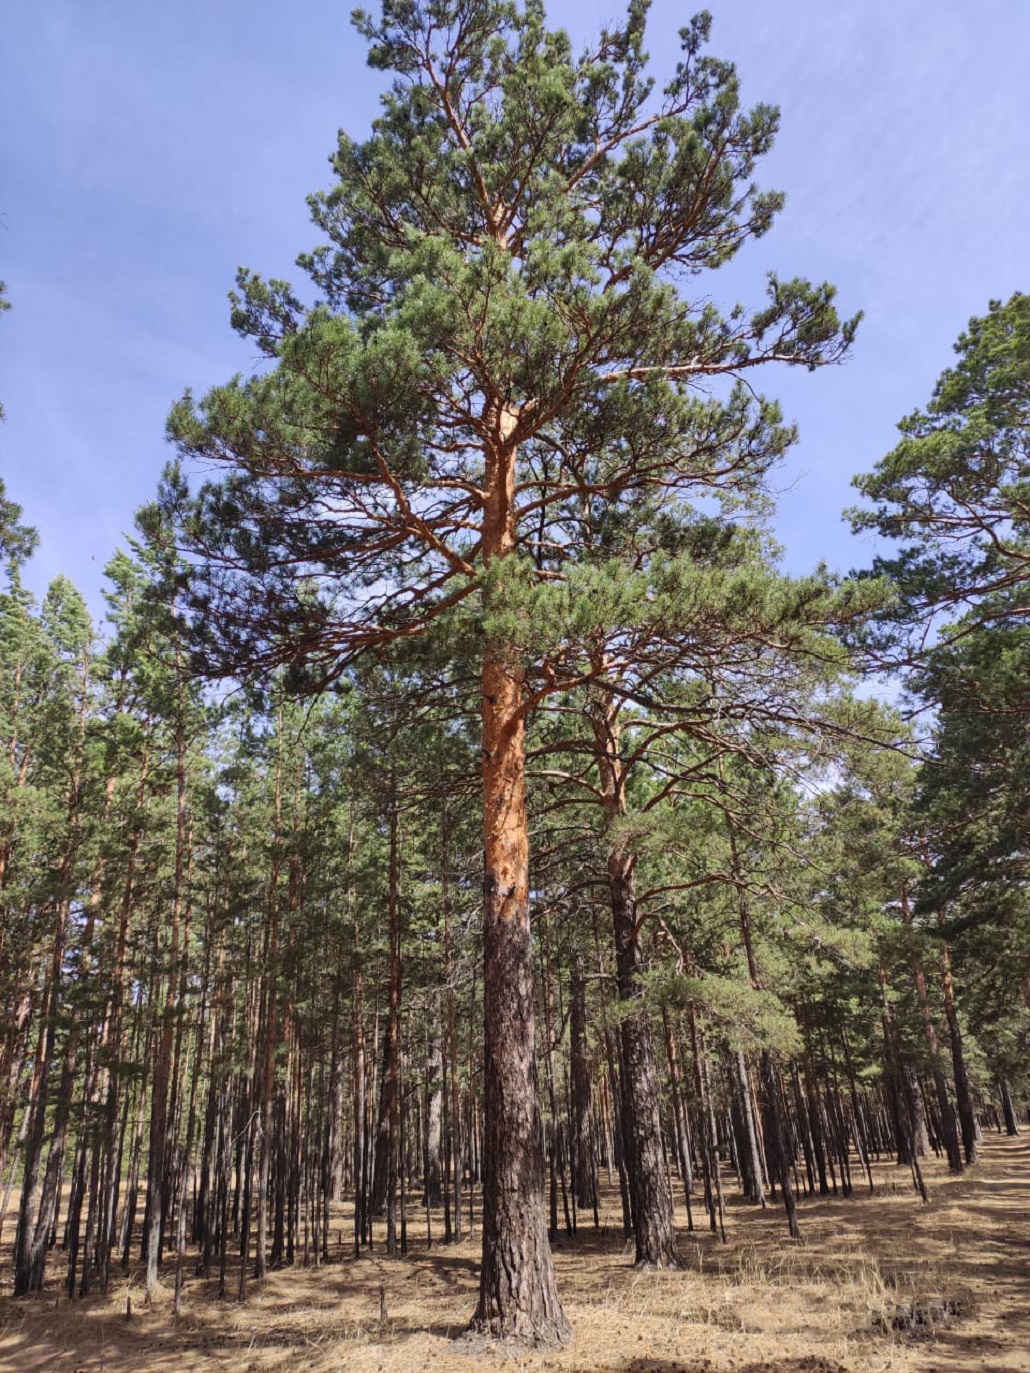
(464, 857)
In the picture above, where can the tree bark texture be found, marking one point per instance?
(584, 1153)
(651, 1194)
(966, 1114)
(653, 1217)
(518, 1296)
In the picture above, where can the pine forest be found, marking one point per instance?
(466, 897)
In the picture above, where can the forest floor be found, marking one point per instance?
(877, 1282)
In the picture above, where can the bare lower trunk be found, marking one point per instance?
(966, 1114)
(391, 1065)
(948, 1130)
(903, 1093)
(775, 1133)
(776, 1142)
(1008, 1111)
(29, 1253)
(679, 1110)
(268, 1029)
(157, 1166)
(651, 1194)
(31, 1250)
(653, 1218)
(454, 1123)
(584, 1154)
(433, 1134)
(751, 1170)
(518, 1297)
(358, 1083)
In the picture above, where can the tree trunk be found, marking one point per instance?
(653, 1216)
(949, 1133)
(966, 1114)
(775, 1141)
(433, 1130)
(454, 1122)
(268, 1028)
(903, 1094)
(584, 1155)
(709, 1146)
(815, 1123)
(775, 1136)
(391, 1066)
(1008, 1111)
(27, 1261)
(679, 1107)
(752, 1176)
(518, 1296)
(358, 1083)
(157, 1164)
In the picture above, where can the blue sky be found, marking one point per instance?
(151, 148)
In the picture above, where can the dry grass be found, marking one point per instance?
(878, 1283)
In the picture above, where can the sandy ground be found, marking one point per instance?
(877, 1282)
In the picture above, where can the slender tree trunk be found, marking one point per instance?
(128, 1217)
(555, 1137)
(775, 1134)
(432, 1150)
(518, 1296)
(35, 1216)
(654, 1224)
(158, 1159)
(335, 1145)
(454, 1138)
(776, 1141)
(754, 1189)
(653, 1218)
(815, 1122)
(966, 1114)
(710, 1168)
(903, 1093)
(584, 1154)
(31, 1236)
(679, 1106)
(205, 1222)
(861, 1140)
(1007, 1109)
(391, 1067)
(949, 1133)
(44, 1229)
(804, 1128)
(358, 1084)
(268, 1032)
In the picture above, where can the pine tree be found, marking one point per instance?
(956, 493)
(497, 305)
(956, 489)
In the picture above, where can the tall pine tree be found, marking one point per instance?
(497, 305)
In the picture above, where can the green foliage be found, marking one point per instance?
(17, 541)
(745, 1017)
(956, 489)
(507, 241)
(973, 801)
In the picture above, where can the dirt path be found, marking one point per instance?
(877, 1283)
